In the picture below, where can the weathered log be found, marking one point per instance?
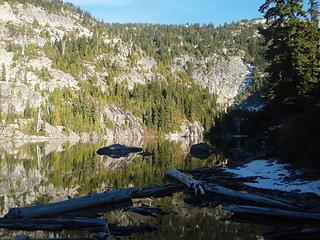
(95, 212)
(201, 187)
(272, 212)
(50, 209)
(215, 188)
(186, 180)
(87, 225)
(158, 190)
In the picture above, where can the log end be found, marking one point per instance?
(14, 213)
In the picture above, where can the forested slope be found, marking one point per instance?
(60, 66)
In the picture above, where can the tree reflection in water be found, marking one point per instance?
(32, 174)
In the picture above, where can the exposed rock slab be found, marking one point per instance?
(127, 128)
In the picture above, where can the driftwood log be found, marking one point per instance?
(94, 212)
(50, 209)
(63, 215)
(197, 186)
(88, 225)
(201, 187)
(273, 212)
(215, 188)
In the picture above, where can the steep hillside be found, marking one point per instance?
(63, 74)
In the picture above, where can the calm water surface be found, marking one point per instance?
(40, 173)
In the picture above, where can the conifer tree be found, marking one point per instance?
(314, 10)
(292, 52)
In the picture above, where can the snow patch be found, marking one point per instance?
(273, 175)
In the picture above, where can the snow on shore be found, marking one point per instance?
(273, 175)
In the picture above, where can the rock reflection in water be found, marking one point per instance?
(52, 171)
(39, 173)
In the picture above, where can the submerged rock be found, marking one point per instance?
(201, 150)
(118, 150)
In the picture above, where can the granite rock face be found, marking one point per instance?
(226, 77)
(22, 87)
(190, 133)
(126, 128)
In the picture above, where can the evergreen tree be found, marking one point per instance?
(314, 11)
(292, 52)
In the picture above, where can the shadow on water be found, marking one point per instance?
(38, 173)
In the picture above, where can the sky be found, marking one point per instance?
(171, 11)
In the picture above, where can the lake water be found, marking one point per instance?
(40, 173)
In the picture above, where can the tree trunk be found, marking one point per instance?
(50, 209)
(215, 188)
(88, 225)
(186, 180)
(272, 212)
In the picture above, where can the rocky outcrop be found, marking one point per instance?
(16, 97)
(190, 130)
(138, 74)
(190, 133)
(30, 73)
(120, 126)
(224, 76)
(126, 128)
(20, 14)
(17, 131)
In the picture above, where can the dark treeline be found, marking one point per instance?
(292, 84)
(293, 53)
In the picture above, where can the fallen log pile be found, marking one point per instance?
(83, 213)
(270, 206)
(213, 185)
(92, 200)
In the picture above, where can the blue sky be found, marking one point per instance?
(171, 11)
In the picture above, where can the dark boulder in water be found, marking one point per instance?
(201, 150)
(118, 150)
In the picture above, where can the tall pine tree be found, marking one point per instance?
(292, 41)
